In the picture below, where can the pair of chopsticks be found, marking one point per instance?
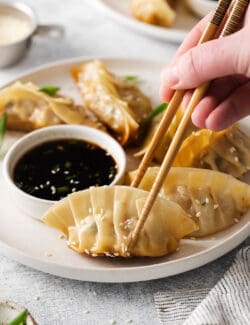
(231, 13)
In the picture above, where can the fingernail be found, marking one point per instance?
(171, 77)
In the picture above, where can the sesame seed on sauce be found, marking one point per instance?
(57, 168)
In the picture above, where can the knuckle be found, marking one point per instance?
(240, 66)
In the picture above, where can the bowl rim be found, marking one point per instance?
(59, 128)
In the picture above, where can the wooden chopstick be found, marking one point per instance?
(231, 26)
(208, 34)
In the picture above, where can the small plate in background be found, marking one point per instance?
(201, 7)
(119, 11)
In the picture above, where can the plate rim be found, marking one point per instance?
(94, 275)
(136, 273)
(77, 60)
(160, 33)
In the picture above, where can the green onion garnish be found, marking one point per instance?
(145, 124)
(62, 189)
(67, 164)
(131, 78)
(50, 90)
(20, 319)
(3, 127)
(159, 109)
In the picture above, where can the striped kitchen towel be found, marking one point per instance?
(228, 303)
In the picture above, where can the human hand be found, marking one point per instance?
(227, 60)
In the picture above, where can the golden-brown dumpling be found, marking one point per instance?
(28, 108)
(120, 105)
(227, 151)
(167, 137)
(213, 199)
(155, 12)
(104, 218)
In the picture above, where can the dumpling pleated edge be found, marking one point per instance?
(104, 217)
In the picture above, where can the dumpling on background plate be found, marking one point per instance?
(119, 104)
(29, 108)
(104, 218)
(155, 12)
(214, 200)
(227, 151)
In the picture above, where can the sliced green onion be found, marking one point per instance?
(159, 109)
(131, 78)
(3, 127)
(62, 189)
(143, 129)
(20, 319)
(49, 90)
(67, 164)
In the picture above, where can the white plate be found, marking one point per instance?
(119, 11)
(201, 7)
(27, 240)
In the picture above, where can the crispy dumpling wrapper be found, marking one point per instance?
(167, 137)
(28, 108)
(227, 151)
(214, 200)
(155, 12)
(120, 105)
(102, 218)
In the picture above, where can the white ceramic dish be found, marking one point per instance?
(17, 230)
(201, 7)
(33, 206)
(120, 12)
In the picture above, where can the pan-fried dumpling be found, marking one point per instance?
(28, 108)
(214, 200)
(119, 104)
(227, 151)
(155, 12)
(60, 216)
(167, 137)
(104, 217)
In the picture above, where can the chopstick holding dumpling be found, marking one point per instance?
(214, 200)
(103, 218)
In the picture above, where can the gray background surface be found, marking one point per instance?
(54, 300)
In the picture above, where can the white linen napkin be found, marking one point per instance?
(228, 303)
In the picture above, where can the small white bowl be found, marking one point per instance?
(36, 207)
(13, 51)
(201, 7)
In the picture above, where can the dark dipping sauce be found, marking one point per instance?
(55, 169)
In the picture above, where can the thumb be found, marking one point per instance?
(211, 60)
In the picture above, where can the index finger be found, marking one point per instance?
(190, 41)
